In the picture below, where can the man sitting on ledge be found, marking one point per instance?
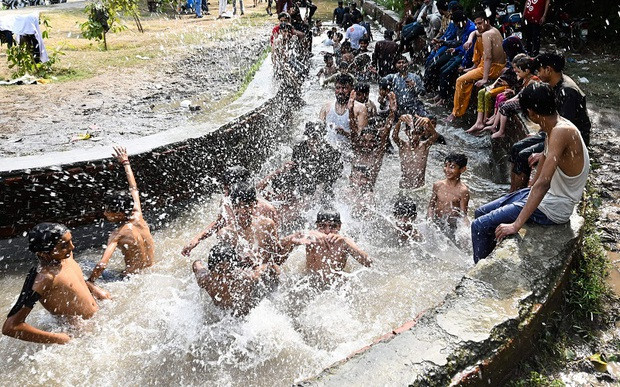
(558, 185)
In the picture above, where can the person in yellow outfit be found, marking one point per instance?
(489, 61)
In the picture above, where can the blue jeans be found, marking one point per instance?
(503, 210)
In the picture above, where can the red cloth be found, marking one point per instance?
(534, 10)
(274, 33)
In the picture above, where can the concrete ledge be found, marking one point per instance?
(170, 167)
(482, 328)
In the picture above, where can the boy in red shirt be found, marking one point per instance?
(535, 13)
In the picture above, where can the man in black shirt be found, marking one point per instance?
(571, 103)
(338, 13)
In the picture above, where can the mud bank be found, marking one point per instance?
(177, 164)
(132, 102)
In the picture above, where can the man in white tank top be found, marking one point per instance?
(345, 117)
(557, 187)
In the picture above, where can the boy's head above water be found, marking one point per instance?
(235, 175)
(328, 220)
(117, 206)
(454, 165)
(51, 240)
(405, 208)
(221, 253)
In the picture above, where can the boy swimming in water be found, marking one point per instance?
(232, 285)
(327, 251)
(133, 237)
(57, 281)
(450, 196)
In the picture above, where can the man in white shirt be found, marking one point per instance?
(355, 33)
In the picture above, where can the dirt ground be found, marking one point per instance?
(139, 90)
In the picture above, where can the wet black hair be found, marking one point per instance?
(330, 34)
(243, 193)
(344, 79)
(384, 84)
(328, 215)
(553, 60)
(339, 34)
(481, 15)
(221, 253)
(366, 40)
(399, 58)
(388, 34)
(283, 14)
(340, 2)
(442, 5)
(315, 129)
(327, 56)
(540, 98)
(457, 158)
(362, 87)
(118, 201)
(525, 63)
(45, 236)
(235, 174)
(405, 206)
(343, 65)
(345, 45)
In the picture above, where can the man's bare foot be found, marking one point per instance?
(475, 128)
(497, 135)
(490, 128)
(450, 118)
(489, 121)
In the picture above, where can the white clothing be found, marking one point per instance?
(222, 6)
(333, 120)
(354, 34)
(565, 191)
(27, 24)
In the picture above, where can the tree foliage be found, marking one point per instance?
(105, 16)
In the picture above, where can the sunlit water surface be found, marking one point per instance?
(160, 328)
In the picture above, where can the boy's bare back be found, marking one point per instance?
(136, 243)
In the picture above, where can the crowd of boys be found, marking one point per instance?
(353, 133)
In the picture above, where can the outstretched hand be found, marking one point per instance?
(120, 154)
(392, 101)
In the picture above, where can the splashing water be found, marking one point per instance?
(161, 328)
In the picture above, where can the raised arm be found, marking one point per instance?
(120, 153)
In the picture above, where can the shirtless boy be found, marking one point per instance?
(233, 175)
(231, 285)
(370, 145)
(413, 151)
(327, 251)
(255, 238)
(57, 281)
(133, 237)
(450, 197)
